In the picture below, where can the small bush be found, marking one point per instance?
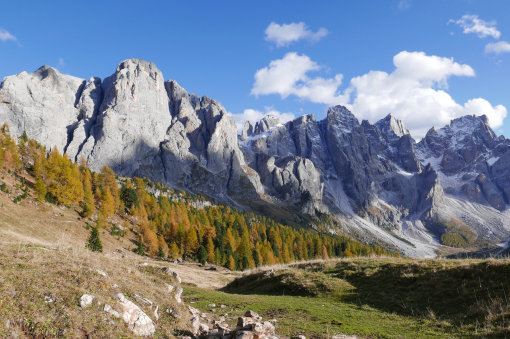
(140, 249)
(115, 231)
(50, 198)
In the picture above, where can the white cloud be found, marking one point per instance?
(479, 106)
(61, 62)
(253, 116)
(283, 35)
(471, 23)
(288, 76)
(497, 47)
(415, 92)
(6, 36)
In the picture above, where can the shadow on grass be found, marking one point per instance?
(456, 293)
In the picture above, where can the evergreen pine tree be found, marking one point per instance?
(140, 249)
(24, 136)
(94, 243)
(202, 255)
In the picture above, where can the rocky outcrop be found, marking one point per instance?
(132, 121)
(250, 326)
(262, 126)
(200, 150)
(500, 173)
(137, 321)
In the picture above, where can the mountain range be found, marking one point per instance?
(452, 188)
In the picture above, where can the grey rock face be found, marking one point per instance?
(294, 179)
(491, 192)
(133, 120)
(247, 130)
(353, 157)
(500, 173)
(201, 151)
(264, 125)
(42, 103)
(88, 106)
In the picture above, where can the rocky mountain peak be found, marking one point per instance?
(469, 124)
(46, 71)
(138, 65)
(392, 127)
(263, 125)
(467, 131)
(266, 123)
(339, 115)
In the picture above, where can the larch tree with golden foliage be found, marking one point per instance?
(88, 195)
(64, 179)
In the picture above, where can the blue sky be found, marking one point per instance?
(424, 61)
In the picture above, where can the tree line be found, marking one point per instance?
(167, 223)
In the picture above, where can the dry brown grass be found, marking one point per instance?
(43, 255)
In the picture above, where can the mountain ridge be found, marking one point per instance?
(374, 178)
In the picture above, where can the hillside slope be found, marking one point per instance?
(45, 269)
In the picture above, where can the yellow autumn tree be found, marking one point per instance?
(64, 179)
(107, 204)
(107, 181)
(149, 238)
(163, 247)
(324, 253)
(210, 250)
(88, 196)
(231, 263)
(9, 157)
(173, 251)
(191, 244)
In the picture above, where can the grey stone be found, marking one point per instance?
(178, 293)
(134, 317)
(86, 300)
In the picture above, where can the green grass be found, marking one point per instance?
(320, 317)
(376, 298)
(290, 282)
